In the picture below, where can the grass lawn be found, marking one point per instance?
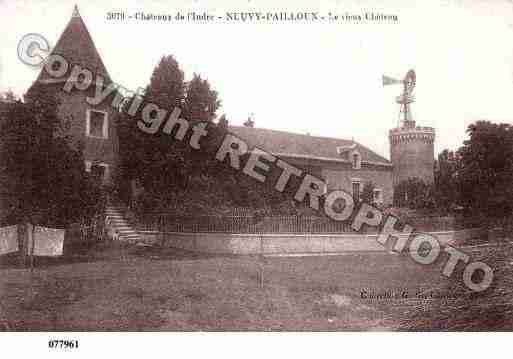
(114, 288)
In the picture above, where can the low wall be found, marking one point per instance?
(232, 243)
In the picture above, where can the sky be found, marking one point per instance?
(318, 78)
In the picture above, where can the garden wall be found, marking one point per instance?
(233, 243)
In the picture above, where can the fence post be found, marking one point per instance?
(261, 257)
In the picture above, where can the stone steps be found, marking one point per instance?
(119, 226)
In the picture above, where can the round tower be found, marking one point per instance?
(412, 152)
(411, 146)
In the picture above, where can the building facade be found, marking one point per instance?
(342, 164)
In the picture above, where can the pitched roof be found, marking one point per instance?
(306, 146)
(77, 47)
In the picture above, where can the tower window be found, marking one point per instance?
(356, 191)
(97, 124)
(356, 160)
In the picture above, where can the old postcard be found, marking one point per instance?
(255, 166)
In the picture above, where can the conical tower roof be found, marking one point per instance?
(77, 47)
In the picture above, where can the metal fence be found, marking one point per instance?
(239, 224)
(164, 222)
(434, 223)
(89, 229)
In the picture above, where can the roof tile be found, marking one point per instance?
(77, 47)
(301, 145)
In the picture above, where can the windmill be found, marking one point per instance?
(406, 97)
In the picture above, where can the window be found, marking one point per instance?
(378, 196)
(97, 124)
(356, 160)
(99, 171)
(356, 191)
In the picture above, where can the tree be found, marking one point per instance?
(485, 171)
(163, 164)
(8, 96)
(173, 173)
(201, 102)
(445, 184)
(414, 193)
(167, 87)
(47, 175)
(153, 159)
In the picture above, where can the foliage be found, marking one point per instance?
(160, 162)
(45, 173)
(477, 178)
(446, 188)
(8, 96)
(485, 170)
(167, 85)
(201, 102)
(170, 170)
(414, 193)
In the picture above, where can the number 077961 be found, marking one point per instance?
(63, 344)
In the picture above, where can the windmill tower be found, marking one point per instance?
(411, 146)
(91, 127)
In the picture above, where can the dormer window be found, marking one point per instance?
(341, 150)
(97, 124)
(356, 160)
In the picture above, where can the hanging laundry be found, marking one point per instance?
(47, 242)
(8, 239)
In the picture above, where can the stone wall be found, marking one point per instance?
(412, 153)
(276, 244)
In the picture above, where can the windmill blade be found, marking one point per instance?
(390, 80)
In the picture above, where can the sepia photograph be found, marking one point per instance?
(255, 166)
